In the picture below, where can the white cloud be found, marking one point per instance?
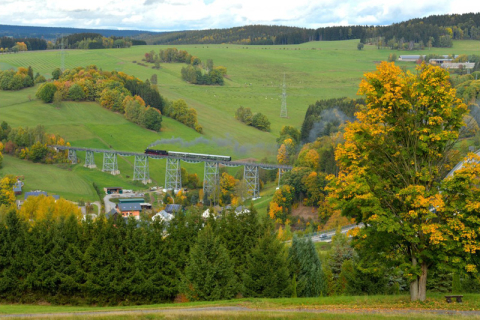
(198, 14)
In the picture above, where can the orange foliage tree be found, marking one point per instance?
(391, 167)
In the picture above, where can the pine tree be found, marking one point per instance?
(209, 274)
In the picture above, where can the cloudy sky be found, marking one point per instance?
(169, 15)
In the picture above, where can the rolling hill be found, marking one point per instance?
(314, 70)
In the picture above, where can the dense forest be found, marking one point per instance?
(32, 43)
(52, 33)
(436, 31)
(432, 31)
(95, 41)
(58, 259)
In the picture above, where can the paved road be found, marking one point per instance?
(327, 235)
(109, 205)
(234, 310)
(99, 206)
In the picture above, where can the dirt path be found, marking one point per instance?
(234, 310)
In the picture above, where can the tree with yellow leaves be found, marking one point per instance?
(227, 188)
(7, 196)
(282, 156)
(391, 167)
(281, 204)
(42, 207)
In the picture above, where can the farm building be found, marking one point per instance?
(113, 190)
(131, 200)
(458, 65)
(141, 201)
(129, 210)
(439, 61)
(410, 57)
(415, 57)
(17, 188)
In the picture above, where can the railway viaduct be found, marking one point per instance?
(173, 179)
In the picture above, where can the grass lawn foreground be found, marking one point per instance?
(339, 307)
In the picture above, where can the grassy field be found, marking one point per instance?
(315, 70)
(357, 307)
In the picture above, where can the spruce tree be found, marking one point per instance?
(307, 267)
(267, 273)
(209, 274)
(15, 257)
(239, 233)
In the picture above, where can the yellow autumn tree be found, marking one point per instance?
(275, 210)
(391, 167)
(42, 207)
(282, 156)
(7, 196)
(21, 46)
(227, 188)
(312, 158)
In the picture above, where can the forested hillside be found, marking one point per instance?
(436, 31)
(52, 33)
(432, 31)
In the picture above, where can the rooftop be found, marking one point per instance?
(170, 208)
(129, 207)
(130, 200)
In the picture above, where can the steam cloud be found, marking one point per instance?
(475, 112)
(328, 118)
(227, 142)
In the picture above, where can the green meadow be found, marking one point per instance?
(336, 307)
(313, 71)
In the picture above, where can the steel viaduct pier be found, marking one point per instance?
(173, 180)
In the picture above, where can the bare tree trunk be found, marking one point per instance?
(418, 287)
(414, 284)
(422, 285)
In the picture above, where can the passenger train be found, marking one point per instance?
(187, 155)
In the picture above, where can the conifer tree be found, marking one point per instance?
(307, 267)
(182, 234)
(209, 274)
(14, 256)
(239, 233)
(266, 273)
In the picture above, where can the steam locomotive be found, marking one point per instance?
(187, 156)
(156, 152)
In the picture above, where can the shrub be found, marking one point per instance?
(46, 92)
(76, 93)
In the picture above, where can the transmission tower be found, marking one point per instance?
(283, 111)
(62, 54)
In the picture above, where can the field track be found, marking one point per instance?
(236, 309)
